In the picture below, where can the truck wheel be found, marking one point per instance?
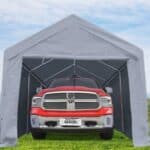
(107, 134)
(38, 135)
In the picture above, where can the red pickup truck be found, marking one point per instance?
(73, 103)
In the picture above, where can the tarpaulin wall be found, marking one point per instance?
(121, 100)
(27, 90)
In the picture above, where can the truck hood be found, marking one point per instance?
(100, 92)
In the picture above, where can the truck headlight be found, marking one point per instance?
(36, 101)
(106, 101)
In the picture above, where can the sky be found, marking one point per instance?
(128, 19)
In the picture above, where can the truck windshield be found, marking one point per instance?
(74, 82)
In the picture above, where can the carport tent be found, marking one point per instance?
(73, 46)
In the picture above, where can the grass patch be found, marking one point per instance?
(75, 141)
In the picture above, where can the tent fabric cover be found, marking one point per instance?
(74, 44)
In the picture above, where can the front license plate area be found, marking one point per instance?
(70, 122)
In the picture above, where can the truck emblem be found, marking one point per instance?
(71, 100)
(70, 97)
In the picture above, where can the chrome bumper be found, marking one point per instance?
(101, 122)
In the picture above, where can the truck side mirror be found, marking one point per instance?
(38, 89)
(109, 90)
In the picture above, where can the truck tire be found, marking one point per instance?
(38, 135)
(107, 134)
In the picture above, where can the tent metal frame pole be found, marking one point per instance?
(120, 87)
(34, 76)
(42, 64)
(122, 113)
(114, 75)
(109, 80)
(28, 102)
(107, 65)
(59, 72)
(74, 65)
(93, 74)
(43, 59)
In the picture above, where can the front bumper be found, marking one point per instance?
(39, 122)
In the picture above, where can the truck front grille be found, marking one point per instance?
(86, 105)
(70, 101)
(55, 105)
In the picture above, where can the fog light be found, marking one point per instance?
(90, 123)
(51, 123)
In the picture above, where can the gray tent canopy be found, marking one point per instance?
(73, 46)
